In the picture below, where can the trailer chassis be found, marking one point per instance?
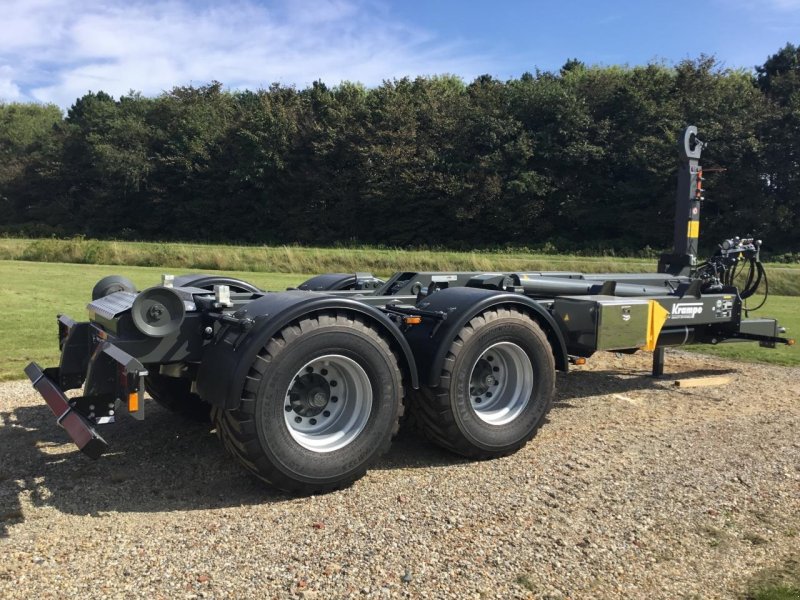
(306, 387)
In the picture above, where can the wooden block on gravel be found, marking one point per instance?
(702, 382)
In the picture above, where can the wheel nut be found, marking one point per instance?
(312, 421)
(287, 408)
(334, 398)
(333, 383)
(326, 413)
(298, 419)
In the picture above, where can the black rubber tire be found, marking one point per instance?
(111, 284)
(256, 433)
(445, 414)
(175, 394)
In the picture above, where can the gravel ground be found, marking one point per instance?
(632, 489)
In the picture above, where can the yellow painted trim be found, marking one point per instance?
(656, 317)
(693, 230)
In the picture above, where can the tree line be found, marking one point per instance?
(580, 159)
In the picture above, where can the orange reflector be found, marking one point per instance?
(133, 402)
(790, 342)
(580, 361)
(415, 320)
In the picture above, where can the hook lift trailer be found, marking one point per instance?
(306, 387)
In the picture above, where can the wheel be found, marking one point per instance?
(320, 403)
(175, 394)
(111, 284)
(496, 387)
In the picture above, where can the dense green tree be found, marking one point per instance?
(579, 159)
(29, 144)
(779, 80)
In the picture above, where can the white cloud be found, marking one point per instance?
(60, 50)
(8, 89)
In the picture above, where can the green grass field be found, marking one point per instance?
(784, 278)
(33, 293)
(784, 308)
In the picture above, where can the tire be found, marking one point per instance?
(496, 387)
(320, 403)
(109, 285)
(175, 394)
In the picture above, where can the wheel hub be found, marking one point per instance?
(482, 378)
(309, 394)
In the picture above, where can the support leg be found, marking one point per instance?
(658, 362)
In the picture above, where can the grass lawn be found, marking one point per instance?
(34, 292)
(784, 308)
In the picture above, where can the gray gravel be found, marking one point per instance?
(633, 489)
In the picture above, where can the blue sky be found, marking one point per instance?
(56, 50)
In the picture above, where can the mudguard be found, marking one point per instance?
(431, 340)
(205, 281)
(229, 356)
(329, 282)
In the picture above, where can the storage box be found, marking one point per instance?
(603, 322)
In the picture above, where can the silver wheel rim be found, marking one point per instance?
(501, 383)
(328, 403)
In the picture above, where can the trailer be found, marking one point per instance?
(306, 387)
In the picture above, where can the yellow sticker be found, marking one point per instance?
(656, 317)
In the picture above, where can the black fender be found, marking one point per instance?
(341, 281)
(205, 281)
(228, 357)
(431, 340)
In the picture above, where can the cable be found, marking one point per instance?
(727, 266)
(762, 275)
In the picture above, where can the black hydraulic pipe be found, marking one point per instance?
(656, 279)
(676, 336)
(554, 286)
